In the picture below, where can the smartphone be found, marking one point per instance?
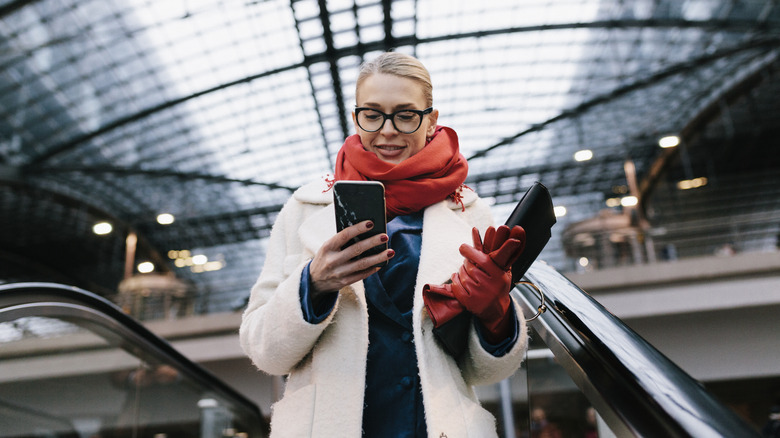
(356, 201)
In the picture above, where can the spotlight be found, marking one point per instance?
(583, 155)
(102, 228)
(692, 183)
(199, 259)
(629, 201)
(165, 218)
(669, 141)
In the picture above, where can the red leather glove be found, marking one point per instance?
(504, 245)
(475, 286)
(483, 283)
(441, 303)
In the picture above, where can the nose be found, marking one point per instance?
(388, 128)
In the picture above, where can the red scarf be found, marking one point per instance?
(425, 178)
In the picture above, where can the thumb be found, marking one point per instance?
(476, 239)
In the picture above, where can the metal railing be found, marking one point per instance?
(635, 388)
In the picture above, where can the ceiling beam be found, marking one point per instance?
(706, 114)
(681, 67)
(331, 55)
(312, 88)
(96, 170)
(387, 23)
(11, 7)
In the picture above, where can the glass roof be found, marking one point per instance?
(215, 111)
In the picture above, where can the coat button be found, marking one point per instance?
(406, 382)
(406, 336)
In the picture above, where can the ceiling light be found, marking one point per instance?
(669, 141)
(692, 183)
(207, 267)
(583, 155)
(165, 218)
(559, 211)
(613, 202)
(102, 228)
(199, 259)
(145, 267)
(629, 201)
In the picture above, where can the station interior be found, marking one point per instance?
(147, 147)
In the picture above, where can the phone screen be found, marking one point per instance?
(356, 201)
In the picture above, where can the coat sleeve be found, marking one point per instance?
(480, 367)
(273, 332)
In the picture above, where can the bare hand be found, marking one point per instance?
(333, 268)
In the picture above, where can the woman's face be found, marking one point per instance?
(390, 93)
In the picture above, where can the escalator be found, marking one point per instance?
(634, 390)
(74, 365)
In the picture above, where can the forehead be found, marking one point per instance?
(390, 90)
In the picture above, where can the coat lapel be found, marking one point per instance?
(317, 228)
(443, 233)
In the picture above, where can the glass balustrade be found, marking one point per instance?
(74, 366)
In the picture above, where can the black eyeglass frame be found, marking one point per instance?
(391, 116)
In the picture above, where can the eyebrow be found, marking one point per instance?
(393, 109)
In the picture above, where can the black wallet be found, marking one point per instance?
(534, 212)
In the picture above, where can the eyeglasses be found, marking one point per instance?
(406, 121)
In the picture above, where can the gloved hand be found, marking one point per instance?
(484, 280)
(504, 245)
(482, 285)
(441, 304)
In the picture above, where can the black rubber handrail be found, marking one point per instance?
(16, 298)
(635, 388)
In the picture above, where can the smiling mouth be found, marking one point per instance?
(390, 147)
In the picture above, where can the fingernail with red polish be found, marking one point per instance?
(384, 238)
(370, 225)
(390, 253)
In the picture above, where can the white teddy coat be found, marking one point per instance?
(326, 362)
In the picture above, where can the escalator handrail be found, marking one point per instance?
(634, 387)
(19, 294)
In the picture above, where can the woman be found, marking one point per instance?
(356, 341)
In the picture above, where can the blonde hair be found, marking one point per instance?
(398, 64)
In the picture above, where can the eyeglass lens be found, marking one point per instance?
(404, 121)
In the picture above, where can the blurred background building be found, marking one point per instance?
(147, 146)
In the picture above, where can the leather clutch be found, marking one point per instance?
(534, 212)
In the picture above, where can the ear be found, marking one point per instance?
(433, 117)
(354, 122)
